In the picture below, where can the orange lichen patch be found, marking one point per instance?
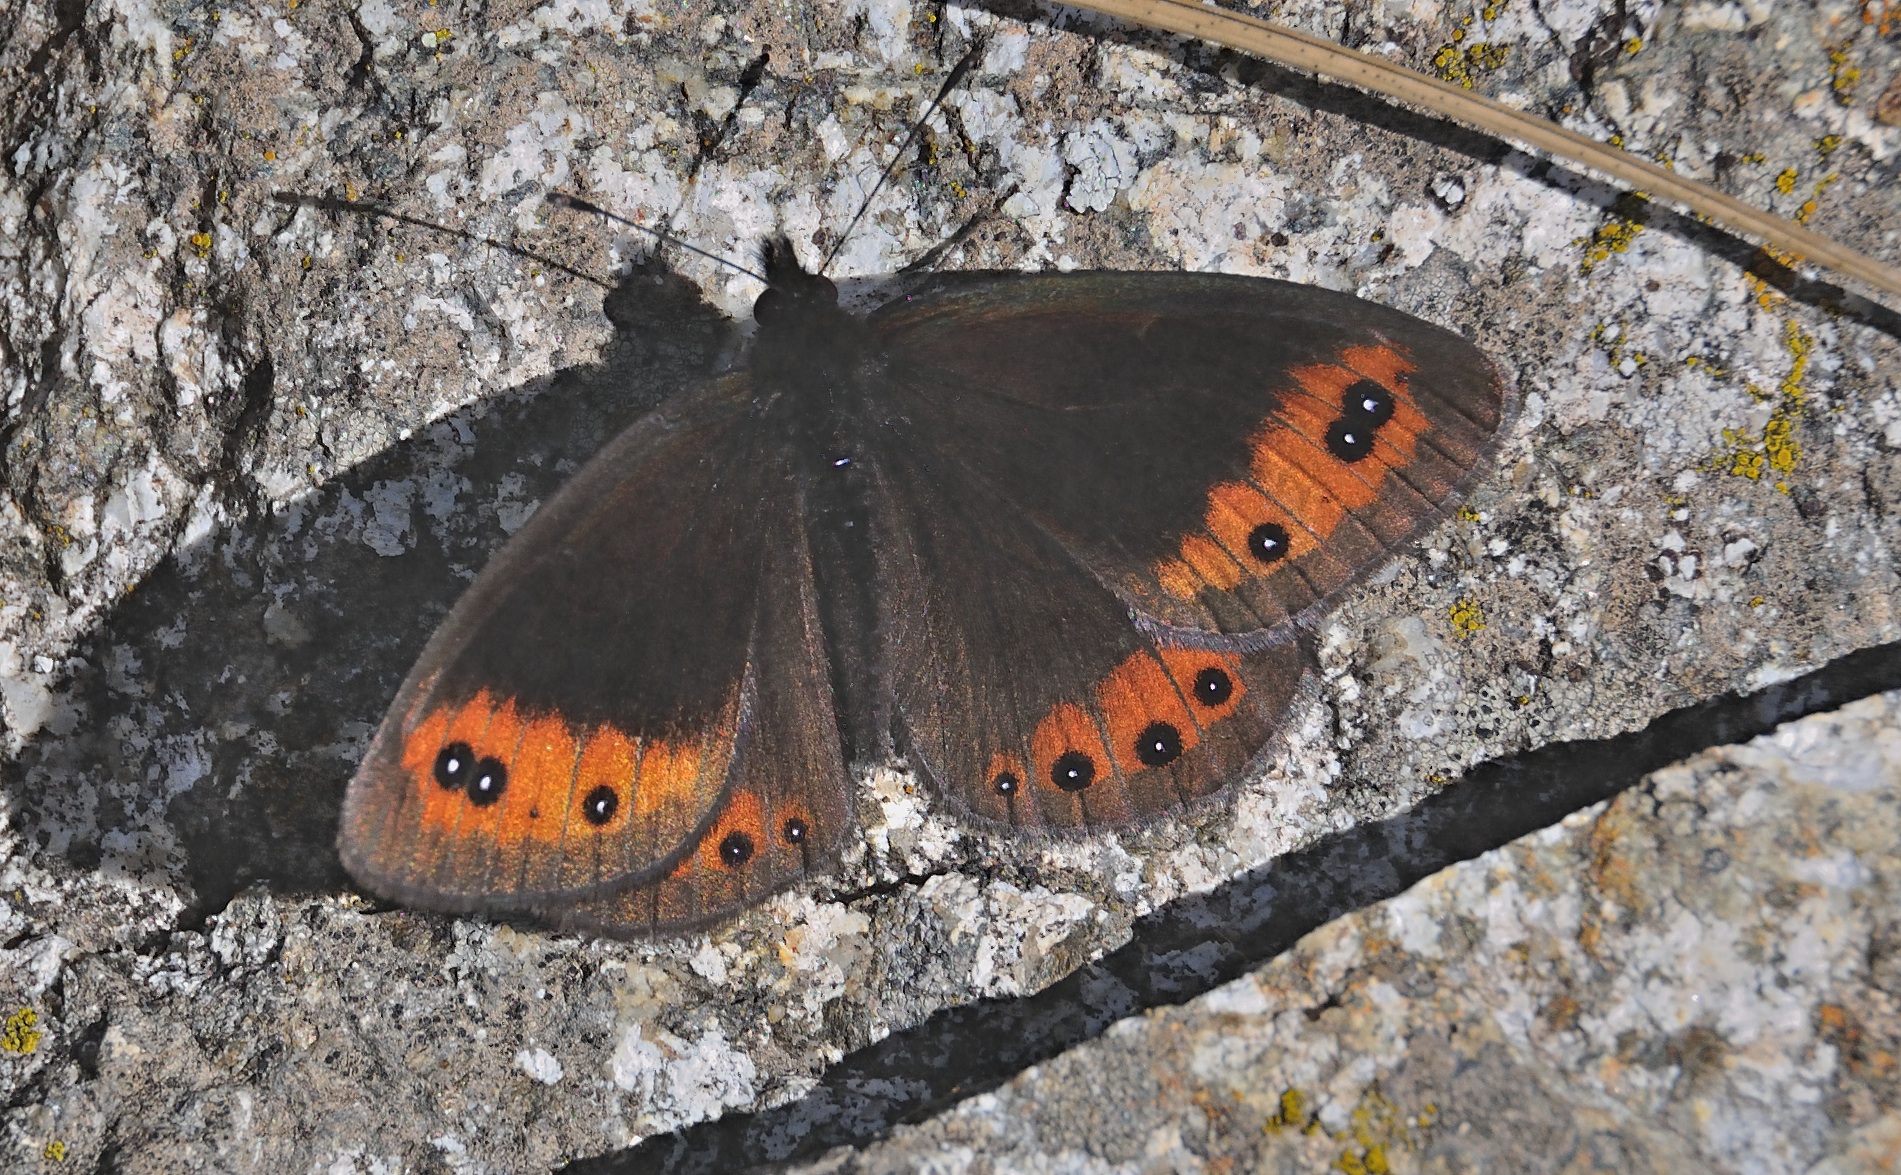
(1185, 665)
(1067, 727)
(1210, 563)
(1381, 364)
(1136, 694)
(1236, 508)
(608, 759)
(744, 814)
(540, 777)
(1300, 474)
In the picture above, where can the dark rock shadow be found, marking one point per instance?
(212, 721)
(1199, 943)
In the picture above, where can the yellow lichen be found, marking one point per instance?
(200, 243)
(1465, 616)
(1842, 77)
(1292, 1113)
(1808, 206)
(1776, 450)
(1615, 340)
(1463, 66)
(1627, 219)
(20, 1033)
(1785, 183)
(1377, 1129)
(55, 1152)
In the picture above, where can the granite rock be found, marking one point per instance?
(1699, 975)
(252, 452)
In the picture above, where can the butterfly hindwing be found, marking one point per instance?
(593, 704)
(788, 811)
(1026, 692)
(1267, 444)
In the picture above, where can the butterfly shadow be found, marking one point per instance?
(206, 729)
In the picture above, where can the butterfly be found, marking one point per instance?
(1050, 539)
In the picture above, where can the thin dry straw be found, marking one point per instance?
(1299, 50)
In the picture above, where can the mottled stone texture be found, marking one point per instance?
(1701, 975)
(251, 454)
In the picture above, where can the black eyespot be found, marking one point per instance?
(1006, 783)
(1073, 771)
(487, 783)
(453, 765)
(600, 805)
(1350, 439)
(1367, 401)
(1158, 745)
(736, 849)
(1268, 542)
(1213, 687)
(795, 831)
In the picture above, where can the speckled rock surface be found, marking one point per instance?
(1700, 975)
(251, 454)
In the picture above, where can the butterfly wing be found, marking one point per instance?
(592, 708)
(1024, 690)
(789, 809)
(1269, 444)
(1108, 496)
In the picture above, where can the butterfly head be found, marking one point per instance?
(790, 289)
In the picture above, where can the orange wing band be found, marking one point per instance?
(557, 781)
(1299, 490)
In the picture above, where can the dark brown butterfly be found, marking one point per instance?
(1048, 538)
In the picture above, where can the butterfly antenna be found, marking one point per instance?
(376, 208)
(956, 77)
(931, 256)
(665, 238)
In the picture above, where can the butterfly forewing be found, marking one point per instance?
(1267, 444)
(574, 725)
